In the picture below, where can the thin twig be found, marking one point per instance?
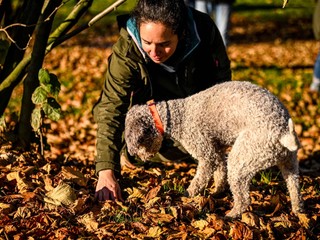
(105, 12)
(4, 30)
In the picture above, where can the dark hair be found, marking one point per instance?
(171, 13)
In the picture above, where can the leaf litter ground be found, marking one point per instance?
(51, 197)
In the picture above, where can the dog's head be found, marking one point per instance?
(141, 135)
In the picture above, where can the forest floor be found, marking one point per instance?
(52, 196)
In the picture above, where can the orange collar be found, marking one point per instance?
(155, 115)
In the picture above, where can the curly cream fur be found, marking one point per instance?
(238, 114)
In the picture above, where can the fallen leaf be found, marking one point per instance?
(154, 232)
(89, 221)
(200, 224)
(304, 220)
(74, 175)
(240, 231)
(250, 219)
(152, 193)
(63, 194)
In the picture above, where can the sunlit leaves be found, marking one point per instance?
(44, 99)
(36, 119)
(40, 95)
(52, 109)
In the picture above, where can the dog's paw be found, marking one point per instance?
(190, 192)
(233, 214)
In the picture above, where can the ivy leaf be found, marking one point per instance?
(39, 95)
(52, 109)
(36, 119)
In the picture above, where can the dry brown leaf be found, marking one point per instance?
(47, 183)
(134, 193)
(282, 221)
(160, 217)
(154, 232)
(74, 175)
(89, 221)
(199, 224)
(180, 235)
(9, 229)
(5, 208)
(304, 220)
(139, 227)
(174, 211)
(22, 184)
(250, 219)
(29, 196)
(152, 193)
(240, 231)
(22, 212)
(152, 201)
(63, 194)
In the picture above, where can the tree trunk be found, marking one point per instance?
(32, 82)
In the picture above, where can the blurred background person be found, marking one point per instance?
(220, 10)
(315, 85)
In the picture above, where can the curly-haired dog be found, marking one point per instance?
(238, 114)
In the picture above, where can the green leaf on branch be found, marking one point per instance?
(44, 76)
(52, 109)
(49, 81)
(39, 95)
(36, 119)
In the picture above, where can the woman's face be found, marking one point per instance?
(158, 41)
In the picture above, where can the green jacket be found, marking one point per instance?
(132, 78)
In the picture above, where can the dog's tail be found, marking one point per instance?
(290, 139)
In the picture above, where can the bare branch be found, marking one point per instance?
(105, 12)
(4, 30)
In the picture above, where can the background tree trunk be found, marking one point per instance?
(32, 82)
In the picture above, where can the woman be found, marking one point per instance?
(165, 51)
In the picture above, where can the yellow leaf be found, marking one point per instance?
(89, 222)
(22, 212)
(200, 224)
(135, 193)
(304, 220)
(152, 201)
(5, 208)
(174, 211)
(154, 232)
(22, 184)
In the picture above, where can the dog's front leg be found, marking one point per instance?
(203, 175)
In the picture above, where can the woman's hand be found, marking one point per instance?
(107, 187)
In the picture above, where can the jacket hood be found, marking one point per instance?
(191, 43)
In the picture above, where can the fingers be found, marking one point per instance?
(109, 194)
(104, 194)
